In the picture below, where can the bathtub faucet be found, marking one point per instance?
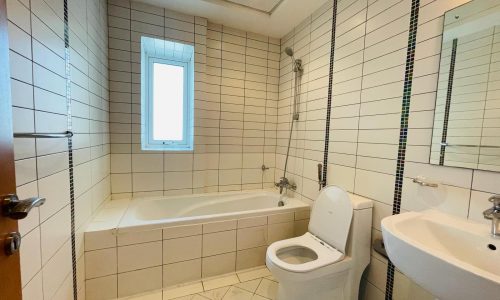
(284, 183)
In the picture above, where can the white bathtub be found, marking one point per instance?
(157, 212)
(179, 239)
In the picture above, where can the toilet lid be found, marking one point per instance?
(331, 217)
(326, 255)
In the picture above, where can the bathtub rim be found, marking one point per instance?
(126, 225)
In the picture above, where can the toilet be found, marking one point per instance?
(328, 261)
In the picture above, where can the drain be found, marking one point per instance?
(492, 247)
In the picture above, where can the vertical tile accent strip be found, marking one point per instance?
(403, 131)
(451, 74)
(329, 101)
(70, 146)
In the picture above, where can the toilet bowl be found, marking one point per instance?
(327, 261)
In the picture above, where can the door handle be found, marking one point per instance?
(17, 209)
(12, 243)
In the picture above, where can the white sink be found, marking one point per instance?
(450, 257)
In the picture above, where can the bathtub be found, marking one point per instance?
(150, 213)
(181, 239)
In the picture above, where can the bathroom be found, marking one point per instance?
(368, 128)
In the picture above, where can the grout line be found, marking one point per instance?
(360, 104)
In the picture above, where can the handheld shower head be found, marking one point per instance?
(297, 63)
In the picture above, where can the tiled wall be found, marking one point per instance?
(136, 262)
(36, 37)
(311, 42)
(236, 92)
(369, 67)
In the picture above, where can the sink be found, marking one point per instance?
(450, 257)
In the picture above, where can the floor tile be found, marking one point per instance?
(216, 294)
(257, 297)
(250, 286)
(256, 284)
(235, 293)
(253, 274)
(218, 282)
(268, 289)
(183, 290)
(155, 295)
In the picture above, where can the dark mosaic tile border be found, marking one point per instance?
(329, 102)
(70, 147)
(451, 75)
(403, 131)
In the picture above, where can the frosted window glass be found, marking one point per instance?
(168, 96)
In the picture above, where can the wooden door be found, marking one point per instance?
(10, 272)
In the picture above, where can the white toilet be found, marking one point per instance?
(327, 262)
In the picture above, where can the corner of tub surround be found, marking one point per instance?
(102, 230)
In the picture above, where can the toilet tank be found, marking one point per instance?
(359, 240)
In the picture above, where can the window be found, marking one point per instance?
(167, 91)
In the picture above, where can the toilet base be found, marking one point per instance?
(327, 288)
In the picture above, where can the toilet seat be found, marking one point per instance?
(327, 255)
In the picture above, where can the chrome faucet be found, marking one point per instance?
(284, 183)
(493, 214)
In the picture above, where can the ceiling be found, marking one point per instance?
(266, 6)
(273, 18)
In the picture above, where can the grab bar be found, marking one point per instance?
(66, 134)
(471, 146)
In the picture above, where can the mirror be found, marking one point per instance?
(467, 117)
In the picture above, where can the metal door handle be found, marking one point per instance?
(12, 243)
(17, 209)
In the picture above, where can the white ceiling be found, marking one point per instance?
(274, 18)
(262, 5)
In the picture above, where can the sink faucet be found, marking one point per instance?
(284, 183)
(493, 214)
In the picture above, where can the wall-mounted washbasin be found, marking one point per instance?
(450, 257)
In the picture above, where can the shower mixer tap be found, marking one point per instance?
(284, 183)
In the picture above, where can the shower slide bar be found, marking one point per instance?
(66, 134)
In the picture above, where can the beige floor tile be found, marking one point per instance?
(250, 286)
(237, 294)
(257, 297)
(218, 282)
(267, 289)
(253, 274)
(154, 295)
(198, 297)
(216, 294)
(183, 290)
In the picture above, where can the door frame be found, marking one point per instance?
(10, 268)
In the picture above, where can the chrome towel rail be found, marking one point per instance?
(66, 134)
(470, 146)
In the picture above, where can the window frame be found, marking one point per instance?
(148, 60)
